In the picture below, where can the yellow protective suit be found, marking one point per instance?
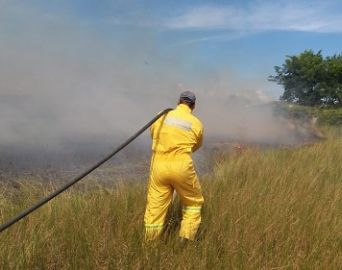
(174, 137)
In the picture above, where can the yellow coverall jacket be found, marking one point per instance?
(174, 137)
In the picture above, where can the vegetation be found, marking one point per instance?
(265, 209)
(310, 79)
(326, 116)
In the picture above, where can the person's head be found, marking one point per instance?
(188, 98)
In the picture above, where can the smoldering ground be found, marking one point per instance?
(69, 94)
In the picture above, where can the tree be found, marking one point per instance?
(334, 79)
(309, 79)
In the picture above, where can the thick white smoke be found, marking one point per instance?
(63, 82)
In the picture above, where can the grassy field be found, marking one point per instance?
(264, 209)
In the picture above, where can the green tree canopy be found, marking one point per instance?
(310, 79)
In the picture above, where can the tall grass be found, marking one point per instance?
(274, 209)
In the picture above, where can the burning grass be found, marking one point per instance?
(264, 209)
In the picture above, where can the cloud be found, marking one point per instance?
(225, 37)
(261, 16)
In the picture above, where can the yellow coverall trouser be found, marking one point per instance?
(169, 173)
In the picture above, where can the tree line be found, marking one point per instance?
(311, 79)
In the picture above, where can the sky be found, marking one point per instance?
(82, 65)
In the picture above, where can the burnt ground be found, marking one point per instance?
(62, 164)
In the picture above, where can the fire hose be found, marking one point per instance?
(46, 199)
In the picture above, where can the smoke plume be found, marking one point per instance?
(65, 87)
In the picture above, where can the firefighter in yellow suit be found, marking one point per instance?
(174, 137)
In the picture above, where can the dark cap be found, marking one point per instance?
(188, 97)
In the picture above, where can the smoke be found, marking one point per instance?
(60, 82)
(239, 111)
(63, 82)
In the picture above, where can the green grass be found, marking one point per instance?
(264, 209)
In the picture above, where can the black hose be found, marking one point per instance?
(81, 176)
